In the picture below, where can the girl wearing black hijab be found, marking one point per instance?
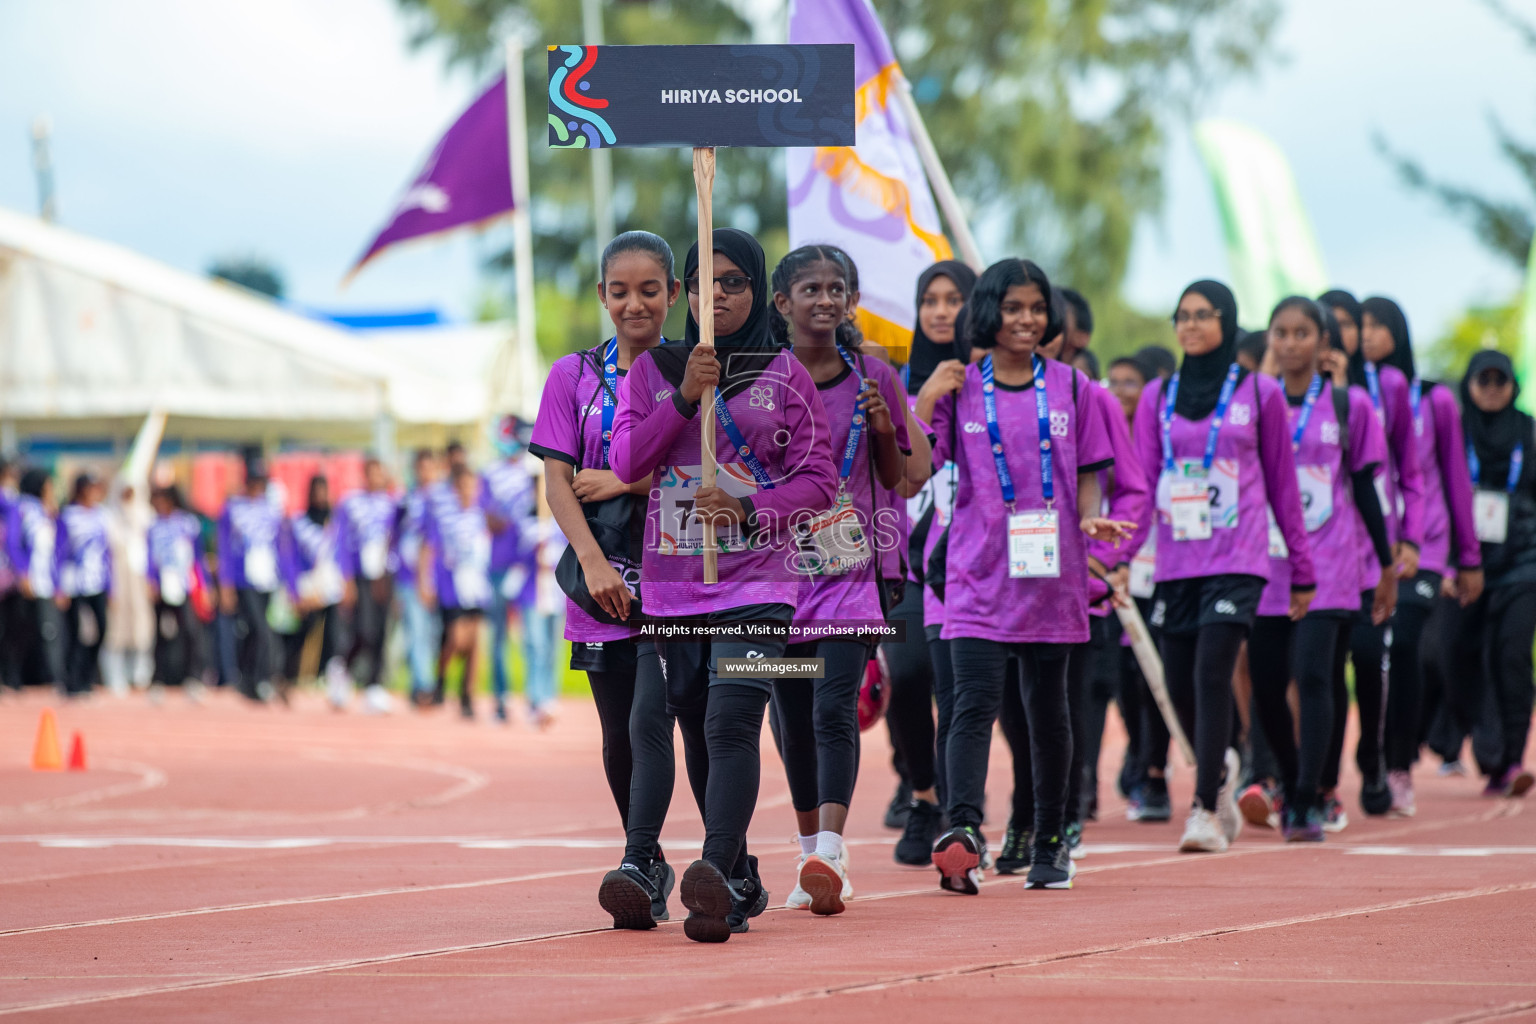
(1497, 631)
(1217, 441)
(776, 471)
(1385, 370)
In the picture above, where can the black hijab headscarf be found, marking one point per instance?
(1390, 315)
(1201, 377)
(745, 353)
(318, 511)
(1338, 298)
(926, 353)
(1493, 435)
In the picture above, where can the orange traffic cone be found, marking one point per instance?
(45, 752)
(77, 752)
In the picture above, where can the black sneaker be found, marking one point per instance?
(900, 806)
(710, 901)
(1052, 866)
(1072, 834)
(631, 895)
(750, 894)
(663, 878)
(1154, 800)
(958, 855)
(915, 847)
(1015, 855)
(1375, 794)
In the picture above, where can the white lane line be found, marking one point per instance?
(302, 900)
(149, 777)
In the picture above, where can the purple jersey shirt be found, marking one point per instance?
(569, 428)
(249, 532)
(1328, 500)
(309, 559)
(855, 596)
(980, 599)
(1127, 497)
(173, 543)
(1253, 470)
(1448, 528)
(83, 551)
(1399, 482)
(460, 539)
(781, 420)
(412, 517)
(32, 541)
(8, 524)
(507, 495)
(367, 520)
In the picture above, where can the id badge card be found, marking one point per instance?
(1277, 545)
(261, 567)
(1490, 516)
(173, 575)
(836, 540)
(1144, 569)
(1034, 545)
(1190, 509)
(1316, 486)
(374, 558)
(680, 533)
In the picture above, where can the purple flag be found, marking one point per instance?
(466, 180)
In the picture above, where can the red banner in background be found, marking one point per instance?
(216, 476)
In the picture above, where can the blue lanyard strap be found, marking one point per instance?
(1415, 397)
(856, 429)
(995, 434)
(1373, 384)
(1305, 415)
(728, 424)
(1227, 387)
(610, 390)
(1516, 462)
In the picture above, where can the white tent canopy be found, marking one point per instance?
(93, 337)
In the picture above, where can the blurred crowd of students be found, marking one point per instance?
(393, 579)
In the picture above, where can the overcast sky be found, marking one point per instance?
(188, 130)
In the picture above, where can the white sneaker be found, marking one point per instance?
(1202, 833)
(377, 701)
(798, 899)
(1227, 814)
(338, 685)
(824, 881)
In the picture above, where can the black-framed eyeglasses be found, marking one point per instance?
(1492, 378)
(1199, 316)
(731, 284)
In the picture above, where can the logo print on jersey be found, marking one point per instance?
(662, 396)
(1242, 415)
(1059, 422)
(1225, 607)
(1424, 590)
(1330, 433)
(974, 428)
(761, 397)
(663, 663)
(1159, 612)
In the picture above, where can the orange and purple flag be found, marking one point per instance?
(467, 180)
(871, 200)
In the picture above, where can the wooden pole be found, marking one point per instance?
(943, 191)
(704, 183)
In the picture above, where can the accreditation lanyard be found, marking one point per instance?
(1373, 385)
(1303, 417)
(1516, 461)
(855, 429)
(1415, 398)
(995, 434)
(610, 391)
(1229, 386)
(728, 424)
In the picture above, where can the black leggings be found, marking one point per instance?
(253, 639)
(370, 622)
(179, 654)
(981, 674)
(1152, 751)
(1279, 651)
(1405, 686)
(816, 724)
(1503, 623)
(944, 698)
(1015, 728)
(910, 715)
(1367, 652)
(1198, 667)
(614, 695)
(733, 727)
(84, 658)
(653, 761)
(332, 641)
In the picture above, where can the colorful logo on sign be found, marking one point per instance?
(582, 128)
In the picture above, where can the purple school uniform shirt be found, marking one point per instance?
(412, 519)
(507, 495)
(83, 551)
(1253, 458)
(1398, 477)
(1449, 536)
(855, 596)
(309, 558)
(460, 540)
(367, 525)
(569, 428)
(1320, 457)
(173, 544)
(1127, 497)
(32, 541)
(780, 418)
(980, 599)
(249, 531)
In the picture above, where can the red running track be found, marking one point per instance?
(232, 863)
